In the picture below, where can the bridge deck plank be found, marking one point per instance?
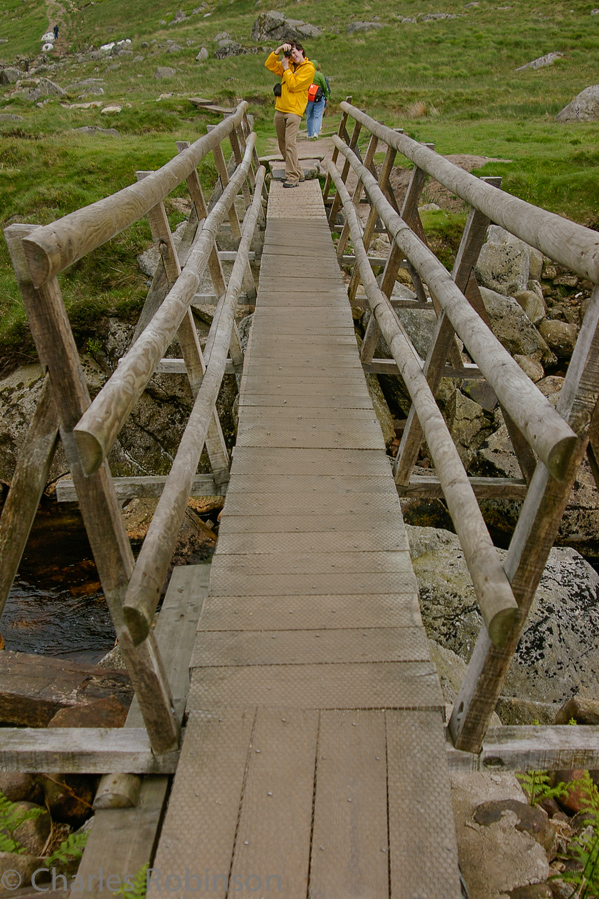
(312, 627)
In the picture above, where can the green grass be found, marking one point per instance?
(450, 82)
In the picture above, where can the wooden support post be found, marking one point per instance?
(238, 154)
(336, 205)
(371, 222)
(373, 143)
(342, 132)
(248, 279)
(188, 340)
(28, 482)
(531, 543)
(99, 506)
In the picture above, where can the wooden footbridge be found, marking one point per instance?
(288, 734)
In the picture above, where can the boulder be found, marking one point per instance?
(10, 75)
(69, 797)
(583, 711)
(33, 833)
(541, 61)
(95, 129)
(164, 72)
(202, 55)
(9, 117)
(18, 787)
(531, 366)
(44, 88)
(513, 328)
(468, 425)
(530, 819)
(17, 869)
(229, 48)
(583, 108)
(560, 336)
(558, 654)
(361, 27)
(504, 263)
(275, 26)
(532, 302)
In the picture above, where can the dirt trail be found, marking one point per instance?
(57, 16)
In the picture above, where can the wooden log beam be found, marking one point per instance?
(99, 426)
(493, 590)
(54, 247)
(566, 242)
(483, 488)
(546, 431)
(28, 482)
(152, 563)
(520, 748)
(147, 486)
(84, 750)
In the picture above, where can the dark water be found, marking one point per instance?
(53, 621)
(56, 606)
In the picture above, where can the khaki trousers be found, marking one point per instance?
(287, 125)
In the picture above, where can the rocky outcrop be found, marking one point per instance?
(541, 62)
(275, 26)
(361, 27)
(558, 654)
(583, 108)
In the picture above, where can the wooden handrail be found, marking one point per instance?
(54, 247)
(566, 242)
(152, 564)
(546, 431)
(99, 427)
(493, 589)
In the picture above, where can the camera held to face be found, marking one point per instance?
(287, 53)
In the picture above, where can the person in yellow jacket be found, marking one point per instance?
(297, 73)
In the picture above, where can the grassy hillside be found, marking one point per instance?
(450, 81)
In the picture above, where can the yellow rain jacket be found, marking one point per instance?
(295, 82)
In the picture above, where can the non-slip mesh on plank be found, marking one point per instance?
(309, 612)
(310, 647)
(391, 685)
(311, 637)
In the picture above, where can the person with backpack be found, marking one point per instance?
(318, 96)
(296, 73)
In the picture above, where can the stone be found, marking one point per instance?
(174, 48)
(531, 366)
(9, 117)
(222, 36)
(504, 262)
(69, 798)
(560, 336)
(558, 654)
(275, 26)
(577, 798)
(513, 328)
(110, 110)
(468, 425)
(95, 129)
(164, 72)
(18, 787)
(108, 712)
(531, 819)
(202, 55)
(541, 61)
(583, 108)
(361, 27)
(17, 869)
(533, 304)
(496, 858)
(532, 891)
(381, 409)
(10, 75)
(34, 832)
(44, 88)
(581, 710)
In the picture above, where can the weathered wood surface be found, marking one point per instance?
(145, 586)
(99, 427)
(306, 642)
(28, 482)
(545, 748)
(532, 540)
(123, 839)
(83, 750)
(492, 587)
(113, 556)
(545, 430)
(58, 245)
(568, 243)
(144, 485)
